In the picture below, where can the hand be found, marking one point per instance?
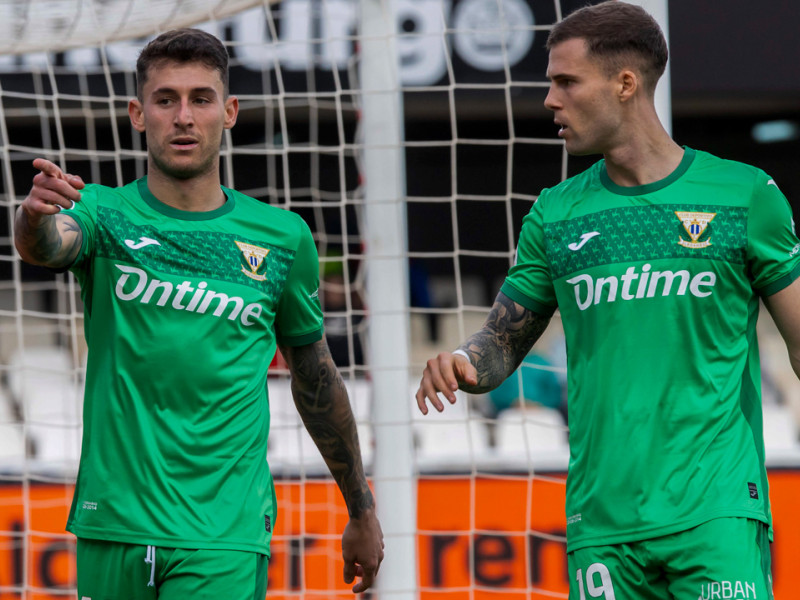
(442, 376)
(362, 550)
(52, 190)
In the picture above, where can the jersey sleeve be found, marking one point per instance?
(773, 249)
(84, 212)
(529, 281)
(299, 316)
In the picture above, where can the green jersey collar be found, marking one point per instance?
(185, 215)
(648, 188)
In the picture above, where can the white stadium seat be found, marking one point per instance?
(291, 447)
(451, 439)
(12, 441)
(42, 379)
(531, 431)
(780, 430)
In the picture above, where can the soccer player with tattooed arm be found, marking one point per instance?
(189, 287)
(657, 258)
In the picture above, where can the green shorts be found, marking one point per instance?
(724, 558)
(116, 571)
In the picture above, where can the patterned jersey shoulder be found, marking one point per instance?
(735, 180)
(734, 168)
(576, 186)
(128, 191)
(95, 194)
(573, 196)
(264, 215)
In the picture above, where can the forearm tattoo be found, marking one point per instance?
(54, 242)
(321, 399)
(505, 338)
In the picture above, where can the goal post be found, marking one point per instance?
(660, 11)
(385, 259)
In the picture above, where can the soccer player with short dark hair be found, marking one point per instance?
(188, 288)
(657, 257)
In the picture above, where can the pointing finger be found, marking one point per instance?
(48, 168)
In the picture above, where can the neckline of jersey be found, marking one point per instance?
(648, 188)
(185, 215)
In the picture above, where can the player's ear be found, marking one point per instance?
(231, 111)
(136, 114)
(627, 84)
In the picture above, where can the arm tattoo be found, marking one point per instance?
(54, 242)
(321, 399)
(505, 338)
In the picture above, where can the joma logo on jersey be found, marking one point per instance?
(647, 284)
(254, 260)
(695, 223)
(182, 296)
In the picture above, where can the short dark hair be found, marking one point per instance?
(182, 46)
(617, 34)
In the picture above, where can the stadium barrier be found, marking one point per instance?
(498, 536)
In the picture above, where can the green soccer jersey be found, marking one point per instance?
(658, 288)
(183, 311)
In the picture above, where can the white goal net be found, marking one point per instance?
(447, 143)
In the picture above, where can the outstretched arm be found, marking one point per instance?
(321, 399)
(42, 235)
(494, 352)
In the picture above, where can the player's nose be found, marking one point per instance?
(551, 101)
(184, 115)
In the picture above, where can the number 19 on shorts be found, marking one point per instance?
(595, 572)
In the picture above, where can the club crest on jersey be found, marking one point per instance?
(695, 224)
(253, 263)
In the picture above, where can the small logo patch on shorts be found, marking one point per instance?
(267, 523)
(753, 490)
